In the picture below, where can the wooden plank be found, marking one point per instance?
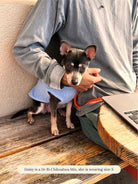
(72, 149)
(17, 135)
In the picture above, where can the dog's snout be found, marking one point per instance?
(74, 82)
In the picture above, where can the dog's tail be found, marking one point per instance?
(19, 113)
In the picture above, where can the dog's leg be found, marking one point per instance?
(68, 115)
(35, 110)
(53, 107)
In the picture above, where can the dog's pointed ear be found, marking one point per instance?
(64, 48)
(90, 51)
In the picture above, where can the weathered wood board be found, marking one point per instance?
(22, 144)
(73, 149)
(17, 135)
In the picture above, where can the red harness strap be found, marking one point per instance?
(93, 100)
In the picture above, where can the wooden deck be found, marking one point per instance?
(23, 144)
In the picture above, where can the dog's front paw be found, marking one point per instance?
(54, 131)
(70, 125)
(30, 119)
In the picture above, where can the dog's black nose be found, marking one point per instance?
(74, 82)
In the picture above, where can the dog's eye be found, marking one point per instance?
(82, 69)
(71, 65)
(68, 67)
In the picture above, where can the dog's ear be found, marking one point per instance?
(90, 51)
(64, 48)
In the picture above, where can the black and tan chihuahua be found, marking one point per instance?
(75, 62)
